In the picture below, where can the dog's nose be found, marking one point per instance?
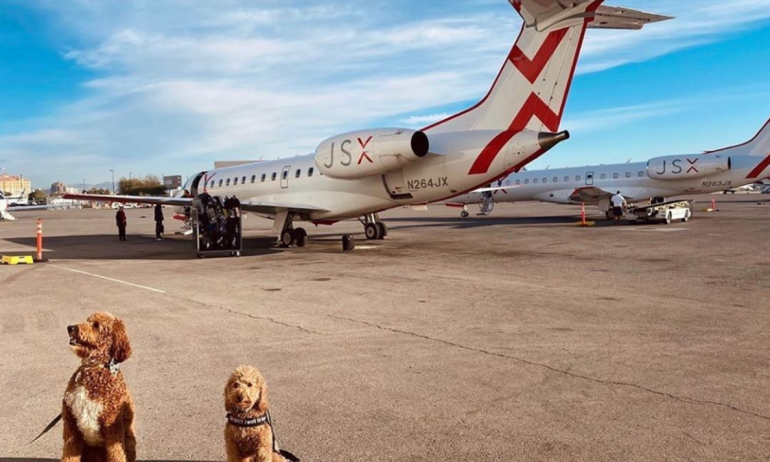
(240, 398)
(71, 329)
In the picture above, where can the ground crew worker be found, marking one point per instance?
(121, 222)
(618, 206)
(159, 229)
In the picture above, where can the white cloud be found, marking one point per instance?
(182, 83)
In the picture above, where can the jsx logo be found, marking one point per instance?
(676, 167)
(363, 150)
(346, 158)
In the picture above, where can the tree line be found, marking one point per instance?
(150, 185)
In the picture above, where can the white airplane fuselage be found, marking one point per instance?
(635, 181)
(298, 180)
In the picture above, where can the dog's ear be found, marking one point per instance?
(261, 406)
(121, 349)
(229, 384)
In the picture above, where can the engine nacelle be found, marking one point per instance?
(685, 167)
(370, 152)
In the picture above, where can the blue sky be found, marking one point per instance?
(169, 86)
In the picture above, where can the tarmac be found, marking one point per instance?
(514, 337)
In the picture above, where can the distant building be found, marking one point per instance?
(234, 163)
(71, 190)
(12, 185)
(172, 182)
(58, 189)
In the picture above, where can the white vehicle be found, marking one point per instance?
(361, 173)
(654, 180)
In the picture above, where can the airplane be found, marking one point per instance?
(361, 173)
(654, 180)
(7, 205)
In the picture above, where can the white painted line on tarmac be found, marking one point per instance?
(655, 230)
(111, 279)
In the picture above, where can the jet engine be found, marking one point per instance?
(370, 152)
(686, 167)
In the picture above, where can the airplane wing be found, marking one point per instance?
(611, 17)
(178, 201)
(495, 189)
(24, 208)
(589, 194)
(259, 207)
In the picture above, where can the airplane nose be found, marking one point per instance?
(71, 329)
(549, 140)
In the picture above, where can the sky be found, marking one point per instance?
(170, 86)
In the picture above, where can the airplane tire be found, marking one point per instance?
(301, 236)
(287, 237)
(464, 214)
(383, 230)
(372, 231)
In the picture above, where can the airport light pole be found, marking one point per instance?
(113, 181)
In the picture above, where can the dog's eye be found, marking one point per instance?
(235, 385)
(96, 325)
(249, 384)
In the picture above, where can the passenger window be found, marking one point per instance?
(264, 175)
(526, 181)
(212, 184)
(297, 173)
(220, 183)
(273, 176)
(518, 182)
(545, 180)
(566, 179)
(285, 174)
(577, 178)
(640, 174)
(616, 176)
(228, 182)
(253, 178)
(235, 181)
(555, 180)
(507, 183)
(628, 174)
(243, 180)
(310, 172)
(534, 181)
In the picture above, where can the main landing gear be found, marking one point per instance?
(291, 236)
(374, 229)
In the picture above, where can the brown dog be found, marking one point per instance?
(248, 433)
(98, 411)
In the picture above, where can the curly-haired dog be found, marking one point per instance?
(98, 411)
(248, 433)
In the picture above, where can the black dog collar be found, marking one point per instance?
(255, 422)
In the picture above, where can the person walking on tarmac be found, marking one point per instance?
(121, 222)
(159, 229)
(619, 205)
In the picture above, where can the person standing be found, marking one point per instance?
(159, 230)
(618, 206)
(121, 222)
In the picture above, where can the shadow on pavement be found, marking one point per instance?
(108, 247)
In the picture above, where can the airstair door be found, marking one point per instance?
(285, 177)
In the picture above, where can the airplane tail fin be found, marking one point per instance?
(759, 146)
(531, 89)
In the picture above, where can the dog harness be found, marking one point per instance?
(256, 422)
(246, 423)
